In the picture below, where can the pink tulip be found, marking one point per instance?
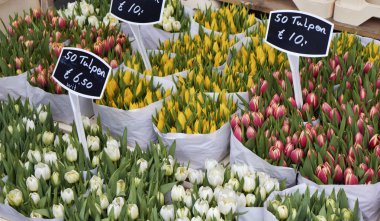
(237, 133)
(245, 119)
(61, 23)
(274, 153)
(363, 166)
(374, 141)
(295, 139)
(326, 108)
(37, 13)
(373, 112)
(321, 140)
(338, 174)
(378, 83)
(303, 139)
(345, 57)
(114, 64)
(334, 114)
(367, 67)
(288, 149)
(369, 173)
(358, 138)
(351, 179)
(235, 121)
(251, 133)
(269, 111)
(296, 155)
(347, 171)
(292, 101)
(254, 104)
(323, 173)
(28, 19)
(257, 119)
(350, 70)
(377, 151)
(280, 112)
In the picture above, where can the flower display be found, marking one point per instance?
(175, 19)
(194, 113)
(300, 206)
(230, 19)
(128, 91)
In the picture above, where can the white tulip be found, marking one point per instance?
(71, 5)
(169, 160)
(32, 183)
(86, 122)
(58, 211)
(30, 125)
(188, 200)
(217, 192)
(206, 193)
(239, 170)
(113, 143)
(275, 204)
(120, 186)
(67, 195)
(176, 26)
(112, 152)
(168, 169)
(249, 183)
(241, 200)
(215, 176)
(282, 212)
(42, 116)
(72, 176)
(167, 212)
(197, 218)
(96, 183)
(137, 181)
(116, 209)
(181, 174)
(42, 171)
(118, 201)
(35, 198)
(269, 186)
(110, 20)
(94, 128)
(168, 10)
(48, 138)
(196, 176)
(71, 154)
(227, 201)
(50, 157)
(178, 193)
(81, 19)
(17, 108)
(182, 212)
(250, 199)
(133, 211)
(143, 165)
(200, 207)
(235, 183)
(167, 26)
(26, 165)
(160, 198)
(15, 198)
(103, 201)
(34, 156)
(171, 19)
(213, 214)
(35, 215)
(182, 219)
(95, 161)
(93, 143)
(131, 149)
(263, 177)
(55, 179)
(210, 164)
(10, 129)
(263, 193)
(66, 138)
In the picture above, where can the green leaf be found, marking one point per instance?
(167, 187)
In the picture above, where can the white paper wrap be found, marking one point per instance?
(9, 214)
(138, 122)
(240, 154)
(368, 196)
(14, 86)
(302, 189)
(254, 213)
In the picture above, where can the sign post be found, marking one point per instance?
(136, 13)
(83, 74)
(298, 34)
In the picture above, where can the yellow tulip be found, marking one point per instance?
(160, 125)
(127, 77)
(188, 113)
(111, 88)
(182, 119)
(128, 96)
(173, 130)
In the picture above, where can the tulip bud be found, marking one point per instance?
(269, 111)
(282, 212)
(257, 119)
(61, 23)
(363, 166)
(374, 141)
(321, 140)
(367, 67)
(338, 174)
(235, 121)
(323, 173)
(334, 114)
(296, 155)
(288, 149)
(369, 173)
(303, 139)
(238, 133)
(351, 179)
(114, 64)
(378, 83)
(274, 153)
(245, 119)
(254, 104)
(312, 99)
(251, 133)
(280, 112)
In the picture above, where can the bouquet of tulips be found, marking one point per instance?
(163, 63)
(306, 203)
(128, 91)
(202, 48)
(229, 19)
(175, 18)
(217, 193)
(194, 113)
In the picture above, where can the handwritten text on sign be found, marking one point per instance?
(299, 33)
(138, 11)
(82, 72)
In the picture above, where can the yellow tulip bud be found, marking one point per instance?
(182, 120)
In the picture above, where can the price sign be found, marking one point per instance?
(82, 73)
(299, 33)
(138, 11)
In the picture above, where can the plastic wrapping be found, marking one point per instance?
(10, 214)
(14, 86)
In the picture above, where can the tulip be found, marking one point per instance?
(326, 108)
(254, 104)
(245, 119)
(282, 212)
(238, 133)
(338, 174)
(34, 156)
(303, 139)
(72, 176)
(369, 173)
(195, 176)
(367, 67)
(35, 198)
(274, 153)
(215, 176)
(264, 86)
(104, 203)
(334, 114)
(249, 183)
(71, 154)
(227, 203)
(292, 101)
(358, 138)
(251, 133)
(280, 112)
(133, 211)
(322, 172)
(32, 183)
(201, 207)
(42, 171)
(115, 208)
(362, 94)
(312, 100)
(167, 212)
(112, 152)
(181, 174)
(205, 193)
(377, 151)
(257, 119)
(178, 193)
(67, 195)
(288, 149)
(58, 211)
(374, 141)
(96, 183)
(296, 155)
(269, 111)
(351, 179)
(168, 169)
(321, 140)
(235, 121)
(15, 198)
(93, 143)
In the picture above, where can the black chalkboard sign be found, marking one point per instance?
(82, 72)
(142, 12)
(299, 33)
